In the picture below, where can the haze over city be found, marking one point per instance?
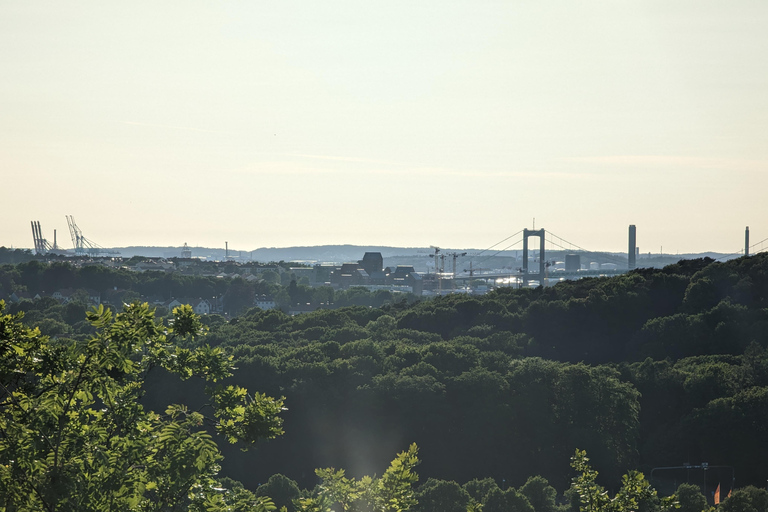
(407, 124)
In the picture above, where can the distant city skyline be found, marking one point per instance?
(509, 244)
(445, 123)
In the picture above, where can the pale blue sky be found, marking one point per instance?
(399, 123)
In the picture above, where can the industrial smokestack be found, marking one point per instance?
(632, 250)
(746, 242)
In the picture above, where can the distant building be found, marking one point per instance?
(170, 304)
(67, 295)
(301, 308)
(372, 262)
(402, 272)
(63, 296)
(378, 278)
(349, 274)
(94, 297)
(267, 268)
(407, 275)
(300, 272)
(264, 302)
(323, 273)
(19, 296)
(201, 306)
(153, 265)
(572, 262)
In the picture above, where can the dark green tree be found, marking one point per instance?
(541, 495)
(239, 297)
(478, 489)
(691, 499)
(746, 499)
(441, 496)
(510, 500)
(282, 490)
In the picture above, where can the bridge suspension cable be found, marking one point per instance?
(497, 243)
(741, 252)
(500, 250)
(605, 256)
(571, 244)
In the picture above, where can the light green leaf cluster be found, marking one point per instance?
(594, 498)
(392, 492)
(244, 417)
(73, 435)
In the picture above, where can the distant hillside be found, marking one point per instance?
(319, 253)
(419, 257)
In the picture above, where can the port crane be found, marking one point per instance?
(41, 244)
(81, 244)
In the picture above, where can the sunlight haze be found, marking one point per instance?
(453, 123)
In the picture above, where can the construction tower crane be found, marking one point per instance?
(455, 256)
(472, 270)
(438, 268)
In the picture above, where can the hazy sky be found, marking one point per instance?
(451, 123)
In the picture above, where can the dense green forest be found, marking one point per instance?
(228, 284)
(657, 367)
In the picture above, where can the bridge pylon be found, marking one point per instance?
(542, 260)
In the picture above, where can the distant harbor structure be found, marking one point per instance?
(746, 242)
(572, 262)
(542, 255)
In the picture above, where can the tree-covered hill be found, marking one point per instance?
(656, 367)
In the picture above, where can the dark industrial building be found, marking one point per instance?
(572, 262)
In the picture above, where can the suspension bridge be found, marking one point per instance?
(535, 267)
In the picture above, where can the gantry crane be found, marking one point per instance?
(41, 244)
(81, 243)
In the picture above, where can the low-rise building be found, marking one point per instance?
(349, 274)
(264, 302)
(201, 306)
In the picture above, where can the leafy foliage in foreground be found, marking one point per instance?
(73, 435)
(650, 368)
(392, 492)
(635, 489)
